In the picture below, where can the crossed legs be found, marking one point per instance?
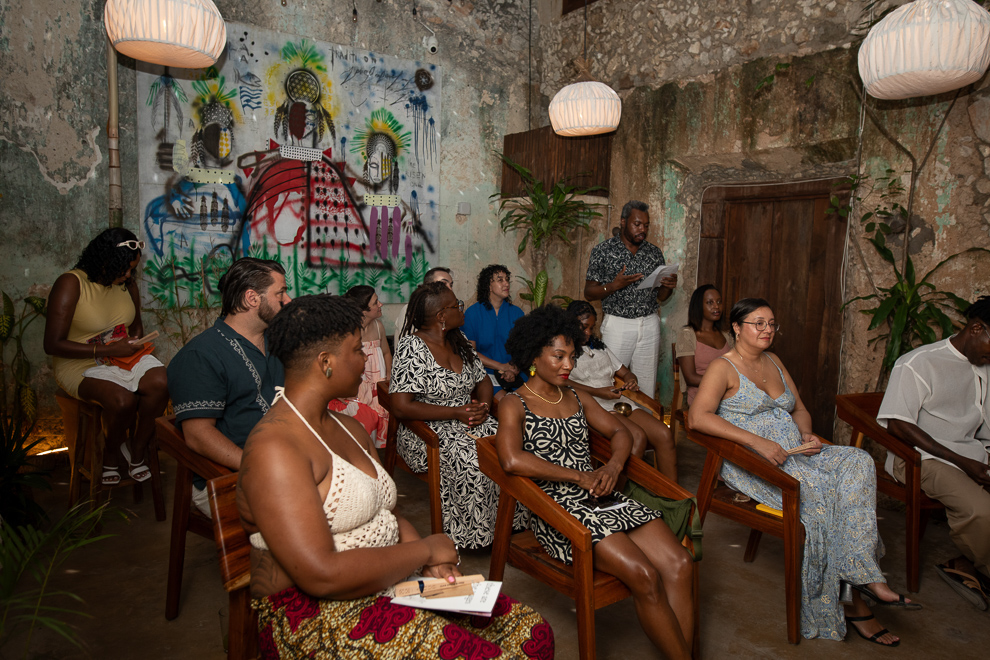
(657, 570)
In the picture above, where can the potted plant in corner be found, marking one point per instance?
(540, 216)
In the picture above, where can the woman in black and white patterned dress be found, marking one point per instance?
(543, 435)
(438, 378)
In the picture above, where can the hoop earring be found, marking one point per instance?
(328, 372)
(532, 370)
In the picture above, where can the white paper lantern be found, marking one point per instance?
(926, 47)
(585, 108)
(189, 34)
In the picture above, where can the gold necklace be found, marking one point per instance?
(753, 369)
(552, 403)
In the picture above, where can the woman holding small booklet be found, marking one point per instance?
(327, 546)
(748, 397)
(94, 332)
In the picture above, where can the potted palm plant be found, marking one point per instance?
(541, 216)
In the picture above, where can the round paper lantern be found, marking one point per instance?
(188, 34)
(926, 47)
(585, 108)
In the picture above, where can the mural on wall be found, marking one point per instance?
(324, 157)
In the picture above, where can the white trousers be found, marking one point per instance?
(636, 342)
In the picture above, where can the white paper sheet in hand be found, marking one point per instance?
(480, 603)
(653, 279)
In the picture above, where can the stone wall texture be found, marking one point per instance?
(687, 72)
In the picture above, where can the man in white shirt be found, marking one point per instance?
(436, 274)
(937, 401)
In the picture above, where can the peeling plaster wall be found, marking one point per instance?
(692, 117)
(53, 112)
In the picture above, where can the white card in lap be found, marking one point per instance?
(480, 603)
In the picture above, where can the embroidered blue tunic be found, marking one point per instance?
(221, 375)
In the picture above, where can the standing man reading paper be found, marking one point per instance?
(631, 327)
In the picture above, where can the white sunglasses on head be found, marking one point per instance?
(134, 245)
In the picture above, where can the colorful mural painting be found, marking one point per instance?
(321, 156)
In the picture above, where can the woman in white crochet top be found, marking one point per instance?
(327, 546)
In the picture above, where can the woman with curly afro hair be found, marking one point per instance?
(488, 322)
(543, 435)
(94, 315)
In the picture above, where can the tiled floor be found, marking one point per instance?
(122, 580)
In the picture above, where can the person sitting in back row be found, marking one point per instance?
(487, 324)
(435, 274)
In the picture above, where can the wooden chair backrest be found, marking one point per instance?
(171, 439)
(860, 411)
(233, 547)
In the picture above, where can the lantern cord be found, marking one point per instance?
(586, 30)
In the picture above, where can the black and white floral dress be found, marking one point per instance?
(564, 442)
(469, 498)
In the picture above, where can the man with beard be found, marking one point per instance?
(223, 381)
(631, 327)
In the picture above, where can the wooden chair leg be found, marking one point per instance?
(433, 479)
(793, 548)
(503, 536)
(157, 490)
(696, 645)
(242, 635)
(584, 604)
(94, 451)
(752, 545)
(177, 544)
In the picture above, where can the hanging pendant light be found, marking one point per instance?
(926, 47)
(586, 107)
(188, 34)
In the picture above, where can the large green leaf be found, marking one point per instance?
(8, 305)
(6, 326)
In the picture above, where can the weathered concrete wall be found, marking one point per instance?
(692, 117)
(53, 116)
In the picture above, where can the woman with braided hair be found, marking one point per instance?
(438, 378)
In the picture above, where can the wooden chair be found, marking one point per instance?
(85, 441)
(590, 589)
(646, 401)
(677, 402)
(715, 496)
(391, 455)
(185, 518)
(860, 412)
(234, 552)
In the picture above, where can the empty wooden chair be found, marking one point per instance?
(590, 589)
(185, 518)
(85, 441)
(715, 496)
(391, 455)
(860, 412)
(234, 552)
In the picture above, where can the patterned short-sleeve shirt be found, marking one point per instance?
(221, 375)
(608, 258)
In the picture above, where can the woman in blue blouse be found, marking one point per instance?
(487, 324)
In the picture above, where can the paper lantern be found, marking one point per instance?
(926, 47)
(585, 108)
(188, 34)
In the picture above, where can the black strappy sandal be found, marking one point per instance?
(875, 638)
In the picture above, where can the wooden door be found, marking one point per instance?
(787, 249)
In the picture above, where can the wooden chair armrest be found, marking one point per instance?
(639, 471)
(531, 496)
(417, 426)
(171, 440)
(860, 412)
(747, 460)
(642, 399)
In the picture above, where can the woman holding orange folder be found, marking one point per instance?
(748, 397)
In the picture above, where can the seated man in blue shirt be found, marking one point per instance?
(487, 324)
(223, 381)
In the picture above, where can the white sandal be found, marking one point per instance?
(110, 477)
(139, 471)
